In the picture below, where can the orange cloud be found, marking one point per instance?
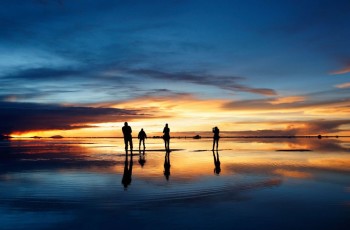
(341, 71)
(183, 112)
(343, 85)
(290, 115)
(287, 100)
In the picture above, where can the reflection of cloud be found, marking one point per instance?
(324, 145)
(29, 116)
(300, 168)
(341, 164)
(292, 173)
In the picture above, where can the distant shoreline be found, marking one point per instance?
(187, 137)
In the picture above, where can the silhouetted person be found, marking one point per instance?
(142, 158)
(127, 135)
(216, 137)
(142, 136)
(167, 164)
(126, 180)
(217, 168)
(166, 137)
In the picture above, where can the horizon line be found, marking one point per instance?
(190, 137)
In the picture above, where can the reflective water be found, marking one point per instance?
(299, 183)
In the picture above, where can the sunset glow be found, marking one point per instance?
(192, 70)
(174, 114)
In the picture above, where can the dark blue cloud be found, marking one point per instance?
(224, 82)
(44, 74)
(277, 46)
(21, 117)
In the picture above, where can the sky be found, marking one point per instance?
(84, 67)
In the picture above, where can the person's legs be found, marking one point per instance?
(126, 143)
(165, 143)
(130, 141)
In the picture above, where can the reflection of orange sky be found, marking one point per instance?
(239, 157)
(334, 162)
(186, 113)
(292, 173)
(192, 158)
(187, 165)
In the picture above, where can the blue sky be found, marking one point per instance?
(93, 53)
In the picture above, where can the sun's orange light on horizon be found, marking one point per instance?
(187, 113)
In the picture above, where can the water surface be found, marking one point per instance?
(297, 183)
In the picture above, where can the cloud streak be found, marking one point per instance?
(38, 74)
(224, 82)
(24, 117)
(289, 103)
(343, 85)
(344, 70)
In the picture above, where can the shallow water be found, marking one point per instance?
(297, 183)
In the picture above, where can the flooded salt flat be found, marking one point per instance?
(248, 184)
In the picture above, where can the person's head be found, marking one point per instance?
(142, 129)
(166, 125)
(125, 123)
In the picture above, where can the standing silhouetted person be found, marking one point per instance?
(142, 136)
(216, 137)
(166, 137)
(127, 135)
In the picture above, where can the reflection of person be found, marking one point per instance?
(142, 136)
(216, 137)
(126, 180)
(167, 165)
(142, 158)
(127, 135)
(217, 163)
(166, 137)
